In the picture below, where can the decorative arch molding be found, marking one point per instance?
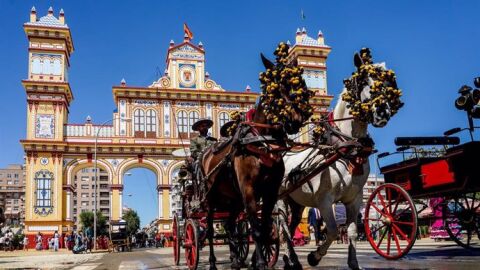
(172, 167)
(74, 166)
(134, 163)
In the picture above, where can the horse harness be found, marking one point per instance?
(359, 156)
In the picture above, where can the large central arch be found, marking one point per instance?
(148, 164)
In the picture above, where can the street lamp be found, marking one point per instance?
(96, 178)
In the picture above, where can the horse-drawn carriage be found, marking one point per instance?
(450, 175)
(391, 211)
(119, 239)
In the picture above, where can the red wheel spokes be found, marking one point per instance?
(399, 228)
(404, 223)
(377, 229)
(389, 239)
(397, 202)
(389, 197)
(381, 238)
(379, 211)
(395, 238)
(402, 234)
(382, 202)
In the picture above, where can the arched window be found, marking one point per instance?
(57, 67)
(151, 124)
(47, 66)
(182, 122)
(36, 66)
(43, 192)
(192, 118)
(139, 123)
(223, 118)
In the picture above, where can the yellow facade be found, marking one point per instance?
(149, 124)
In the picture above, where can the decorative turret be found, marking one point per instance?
(298, 36)
(33, 15)
(61, 16)
(311, 53)
(320, 38)
(48, 91)
(123, 82)
(186, 66)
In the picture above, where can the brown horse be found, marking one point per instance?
(249, 170)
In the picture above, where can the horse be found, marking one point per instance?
(344, 180)
(248, 169)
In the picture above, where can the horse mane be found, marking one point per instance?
(339, 110)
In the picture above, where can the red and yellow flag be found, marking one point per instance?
(187, 31)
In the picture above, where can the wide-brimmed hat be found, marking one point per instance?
(225, 127)
(202, 121)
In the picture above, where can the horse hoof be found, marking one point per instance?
(287, 264)
(312, 261)
(354, 266)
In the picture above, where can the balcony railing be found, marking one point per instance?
(73, 130)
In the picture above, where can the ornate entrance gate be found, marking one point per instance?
(147, 126)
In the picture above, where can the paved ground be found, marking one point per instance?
(426, 254)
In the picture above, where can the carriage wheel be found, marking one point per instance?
(242, 240)
(191, 244)
(176, 240)
(461, 219)
(390, 221)
(270, 252)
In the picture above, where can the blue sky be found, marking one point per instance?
(431, 45)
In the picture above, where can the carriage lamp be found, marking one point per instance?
(476, 81)
(464, 102)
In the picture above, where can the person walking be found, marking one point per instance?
(65, 240)
(56, 241)
(315, 222)
(39, 241)
(25, 243)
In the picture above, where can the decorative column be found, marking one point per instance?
(163, 201)
(116, 202)
(160, 204)
(68, 189)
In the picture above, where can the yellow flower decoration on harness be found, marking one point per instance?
(382, 89)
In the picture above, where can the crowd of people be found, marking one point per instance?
(141, 240)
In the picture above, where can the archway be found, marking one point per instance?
(140, 194)
(80, 175)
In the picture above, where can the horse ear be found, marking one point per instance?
(357, 60)
(267, 63)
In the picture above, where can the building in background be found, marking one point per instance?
(83, 197)
(126, 209)
(12, 194)
(372, 183)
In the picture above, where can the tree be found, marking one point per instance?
(86, 220)
(133, 221)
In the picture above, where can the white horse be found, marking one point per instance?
(335, 184)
